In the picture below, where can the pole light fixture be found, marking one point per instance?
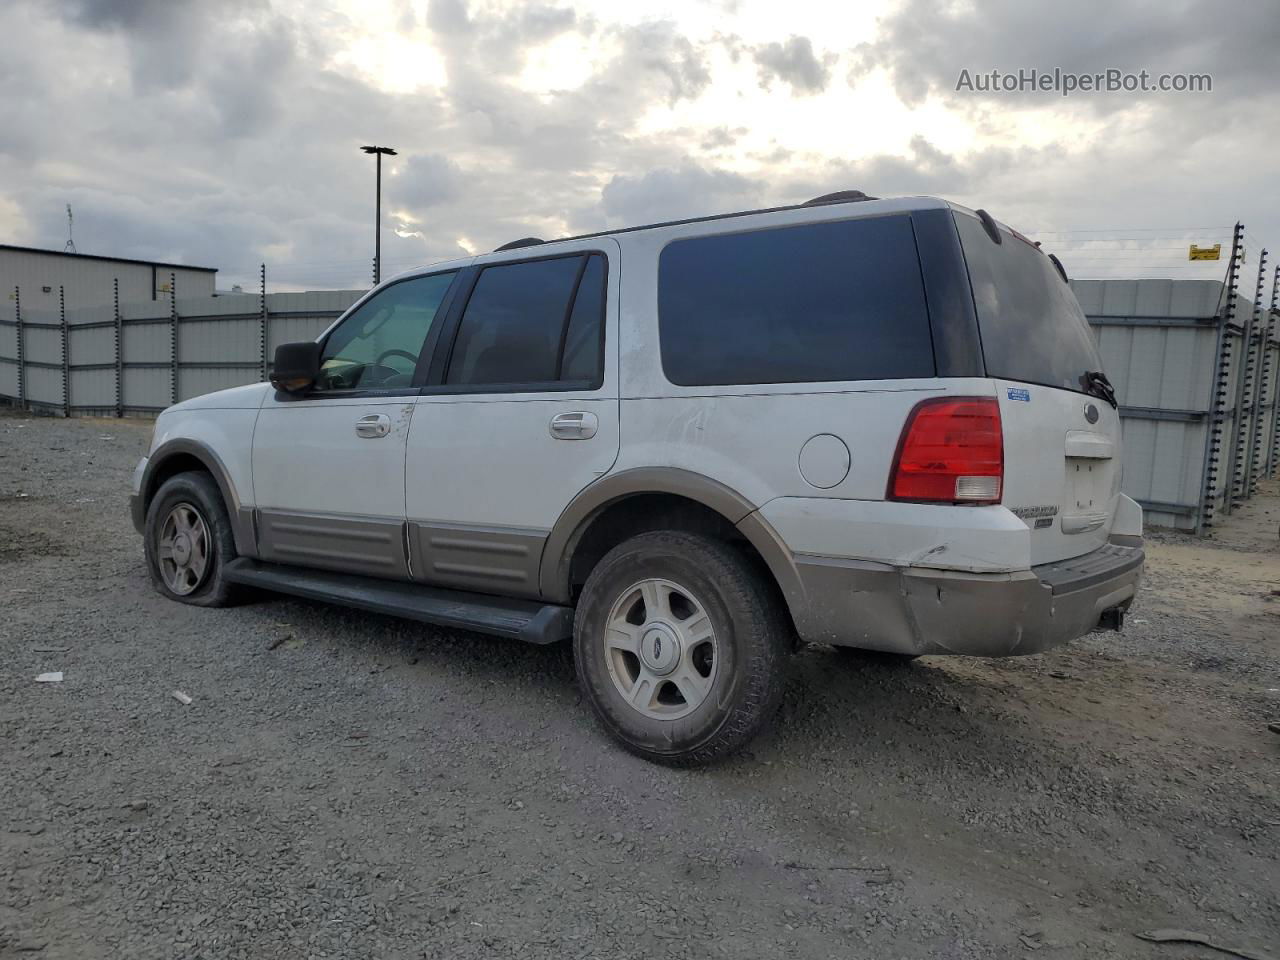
(377, 216)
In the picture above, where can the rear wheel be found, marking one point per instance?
(680, 646)
(188, 541)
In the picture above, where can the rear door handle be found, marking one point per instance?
(373, 426)
(1084, 445)
(574, 426)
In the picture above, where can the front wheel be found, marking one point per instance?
(680, 646)
(188, 541)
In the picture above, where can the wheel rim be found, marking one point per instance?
(661, 649)
(183, 549)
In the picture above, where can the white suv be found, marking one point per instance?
(877, 424)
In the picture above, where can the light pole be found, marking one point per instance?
(377, 217)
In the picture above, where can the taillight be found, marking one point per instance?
(951, 451)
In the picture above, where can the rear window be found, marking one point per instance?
(1031, 324)
(823, 301)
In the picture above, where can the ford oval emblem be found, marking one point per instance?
(1091, 413)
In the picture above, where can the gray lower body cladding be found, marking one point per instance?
(923, 611)
(843, 602)
(363, 546)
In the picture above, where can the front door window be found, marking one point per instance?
(377, 347)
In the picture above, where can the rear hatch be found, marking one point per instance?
(1061, 432)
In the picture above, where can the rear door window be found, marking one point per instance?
(1031, 323)
(532, 322)
(818, 302)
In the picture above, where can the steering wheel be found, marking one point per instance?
(393, 352)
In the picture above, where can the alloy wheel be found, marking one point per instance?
(183, 549)
(661, 649)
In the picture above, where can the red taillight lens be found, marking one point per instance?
(951, 451)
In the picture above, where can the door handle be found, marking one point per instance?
(574, 426)
(373, 426)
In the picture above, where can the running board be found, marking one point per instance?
(526, 620)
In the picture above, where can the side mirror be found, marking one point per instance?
(296, 367)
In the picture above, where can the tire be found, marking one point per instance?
(717, 693)
(194, 497)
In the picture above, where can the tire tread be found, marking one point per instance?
(764, 645)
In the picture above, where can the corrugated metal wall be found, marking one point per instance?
(1159, 341)
(1195, 372)
(138, 358)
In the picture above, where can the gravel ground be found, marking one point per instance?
(347, 785)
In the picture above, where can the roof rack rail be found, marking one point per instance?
(517, 244)
(840, 196)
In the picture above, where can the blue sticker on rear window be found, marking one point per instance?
(1017, 393)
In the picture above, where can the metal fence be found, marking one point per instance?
(139, 358)
(1196, 364)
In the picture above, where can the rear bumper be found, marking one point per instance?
(924, 611)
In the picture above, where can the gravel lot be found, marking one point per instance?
(347, 785)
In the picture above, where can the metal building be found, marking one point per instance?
(86, 280)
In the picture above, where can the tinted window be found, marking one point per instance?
(823, 301)
(583, 342)
(512, 326)
(377, 346)
(1032, 326)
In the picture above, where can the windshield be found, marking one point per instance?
(1032, 326)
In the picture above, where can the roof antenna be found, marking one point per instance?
(71, 244)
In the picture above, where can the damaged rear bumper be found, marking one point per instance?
(925, 611)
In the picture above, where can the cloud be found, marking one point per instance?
(425, 180)
(675, 193)
(924, 44)
(448, 17)
(658, 50)
(718, 137)
(243, 80)
(406, 16)
(167, 38)
(793, 63)
(495, 41)
(228, 134)
(924, 170)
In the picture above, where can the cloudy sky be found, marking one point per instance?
(227, 132)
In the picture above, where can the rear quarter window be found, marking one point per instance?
(829, 301)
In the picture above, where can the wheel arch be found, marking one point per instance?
(182, 455)
(582, 532)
